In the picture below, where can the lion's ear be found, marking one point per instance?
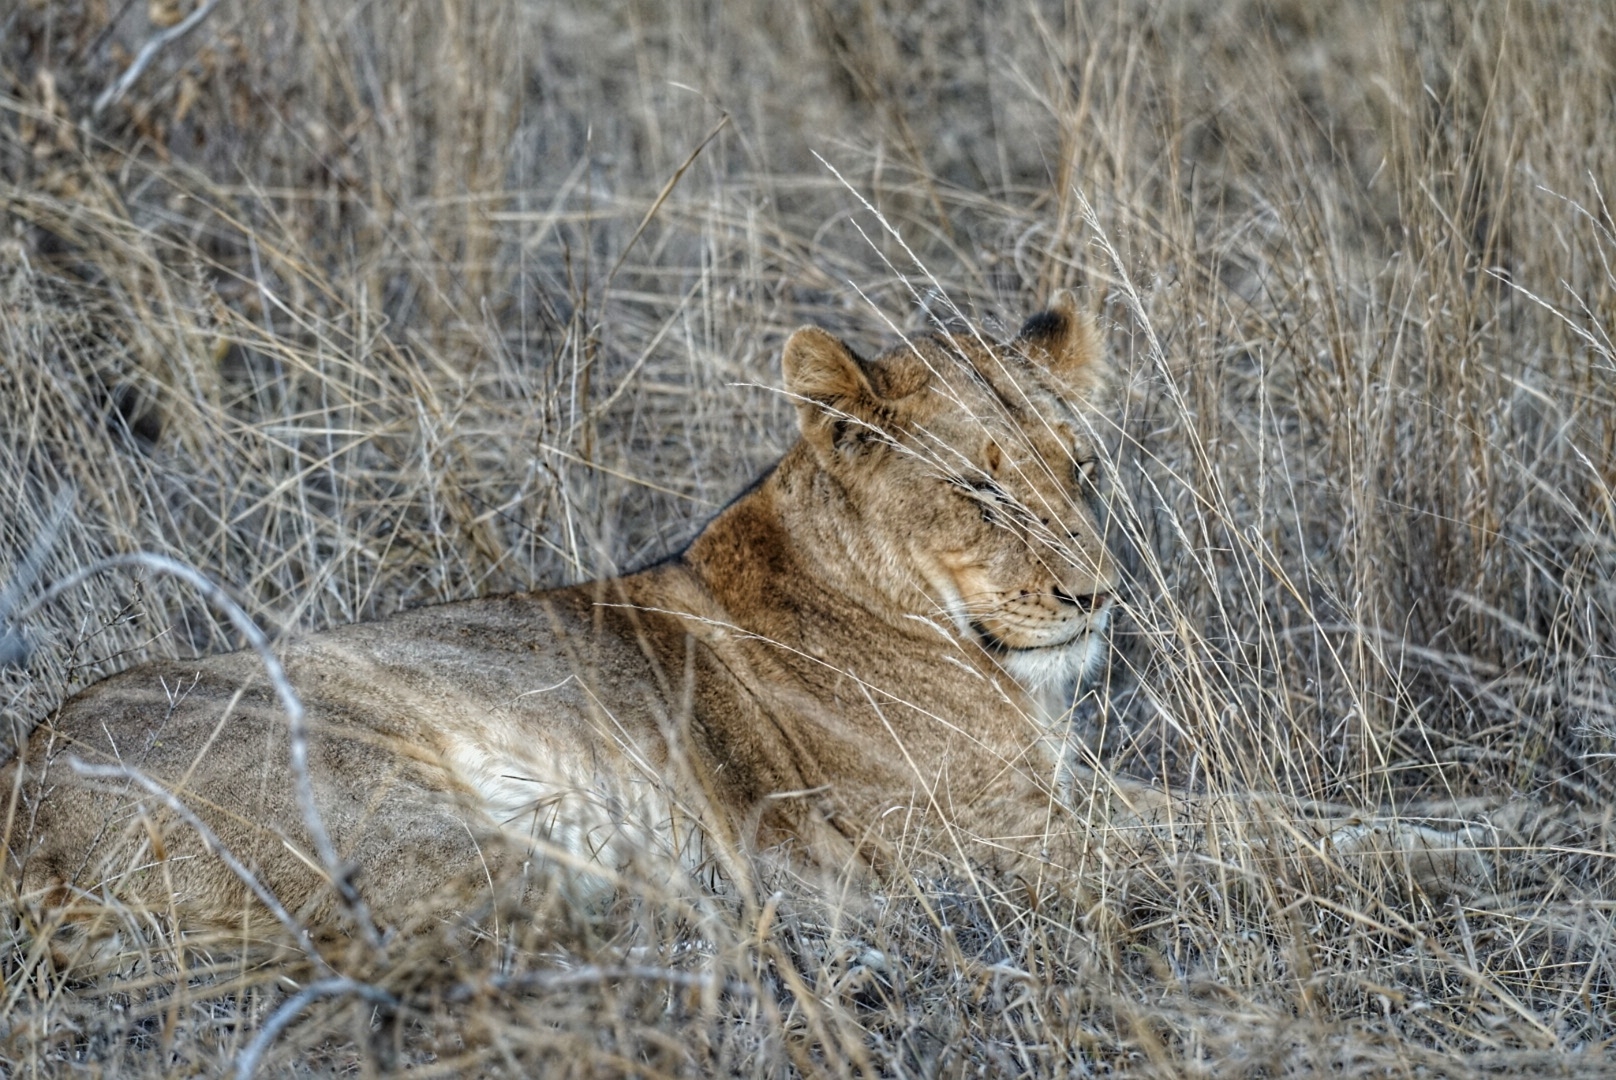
(1065, 340)
(835, 402)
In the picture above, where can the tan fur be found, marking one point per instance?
(874, 646)
(883, 631)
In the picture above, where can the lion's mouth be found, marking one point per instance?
(996, 645)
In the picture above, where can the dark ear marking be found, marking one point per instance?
(1043, 326)
(845, 436)
(1065, 342)
(852, 437)
(846, 406)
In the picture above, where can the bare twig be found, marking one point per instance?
(662, 196)
(282, 1018)
(154, 45)
(14, 647)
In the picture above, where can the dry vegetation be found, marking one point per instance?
(356, 307)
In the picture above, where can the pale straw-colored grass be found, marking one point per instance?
(359, 307)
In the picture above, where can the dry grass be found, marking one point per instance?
(355, 307)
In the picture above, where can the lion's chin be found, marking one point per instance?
(1062, 665)
(1051, 670)
(1075, 634)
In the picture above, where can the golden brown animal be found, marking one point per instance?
(883, 632)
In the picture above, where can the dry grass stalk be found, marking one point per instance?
(356, 308)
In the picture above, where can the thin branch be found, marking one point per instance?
(154, 45)
(282, 1018)
(662, 196)
(14, 646)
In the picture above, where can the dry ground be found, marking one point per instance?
(361, 306)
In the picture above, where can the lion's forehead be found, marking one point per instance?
(1045, 431)
(956, 375)
(1031, 418)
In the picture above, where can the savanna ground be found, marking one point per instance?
(355, 307)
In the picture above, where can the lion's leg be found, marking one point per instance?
(1146, 822)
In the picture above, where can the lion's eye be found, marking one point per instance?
(989, 496)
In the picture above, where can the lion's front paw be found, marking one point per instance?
(1438, 862)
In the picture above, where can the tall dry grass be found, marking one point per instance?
(357, 307)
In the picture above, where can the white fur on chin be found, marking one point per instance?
(1051, 675)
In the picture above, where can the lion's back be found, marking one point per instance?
(425, 729)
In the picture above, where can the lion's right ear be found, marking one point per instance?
(1065, 340)
(836, 405)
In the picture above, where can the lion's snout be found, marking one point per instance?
(1085, 602)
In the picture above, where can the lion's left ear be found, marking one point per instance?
(1065, 340)
(836, 405)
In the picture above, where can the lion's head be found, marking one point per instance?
(969, 470)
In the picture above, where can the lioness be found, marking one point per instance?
(886, 628)
(878, 641)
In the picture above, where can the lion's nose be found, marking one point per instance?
(1086, 602)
